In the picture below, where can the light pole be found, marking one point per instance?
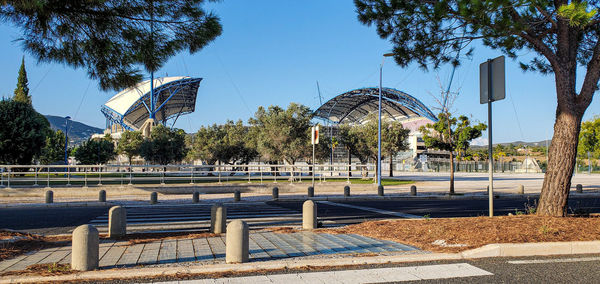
(67, 118)
(379, 120)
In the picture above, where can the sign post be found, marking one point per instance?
(314, 140)
(491, 88)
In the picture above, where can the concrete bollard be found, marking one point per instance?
(49, 196)
(309, 215)
(521, 189)
(579, 188)
(85, 248)
(218, 218)
(237, 242)
(102, 195)
(117, 222)
(275, 193)
(237, 195)
(380, 190)
(153, 198)
(196, 197)
(346, 191)
(311, 191)
(413, 190)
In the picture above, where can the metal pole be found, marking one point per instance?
(490, 149)
(313, 166)
(66, 138)
(379, 128)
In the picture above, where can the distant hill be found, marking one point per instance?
(517, 143)
(78, 131)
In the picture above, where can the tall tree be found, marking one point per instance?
(589, 139)
(111, 39)
(452, 135)
(22, 90)
(396, 137)
(23, 133)
(562, 34)
(283, 134)
(129, 144)
(95, 151)
(164, 146)
(54, 149)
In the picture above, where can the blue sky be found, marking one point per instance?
(274, 52)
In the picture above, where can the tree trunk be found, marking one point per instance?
(349, 164)
(561, 163)
(451, 173)
(391, 165)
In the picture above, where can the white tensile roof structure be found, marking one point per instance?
(173, 96)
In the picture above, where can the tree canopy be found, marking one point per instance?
(22, 90)
(23, 133)
(129, 144)
(164, 146)
(111, 39)
(226, 143)
(283, 134)
(53, 151)
(589, 138)
(95, 151)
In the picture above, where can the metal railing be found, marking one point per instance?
(98, 175)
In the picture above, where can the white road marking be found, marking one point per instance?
(370, 209)
(558, 260)
(377, 275)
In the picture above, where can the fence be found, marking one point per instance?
(97, 175)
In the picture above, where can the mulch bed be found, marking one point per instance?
(459, 234)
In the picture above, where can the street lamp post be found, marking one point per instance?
(67, 118)
(379, 120)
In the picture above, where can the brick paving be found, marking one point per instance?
(263, 246)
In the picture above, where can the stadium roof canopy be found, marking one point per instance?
(353, 106)
(130, 108)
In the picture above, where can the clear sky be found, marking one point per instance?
(274, 52)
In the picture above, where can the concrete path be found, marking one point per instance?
(378, 275)
(263, 246)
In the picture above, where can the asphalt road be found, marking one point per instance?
(437, 208)
(47, 220)
(62, 220)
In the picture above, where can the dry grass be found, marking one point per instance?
(281, 230)
(477, 231)
(29, 242)
(45, 269)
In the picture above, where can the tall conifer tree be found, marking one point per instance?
(22, 90)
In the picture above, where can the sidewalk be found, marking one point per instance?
(264, 246)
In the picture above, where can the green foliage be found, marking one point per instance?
(129, 144)
(54, 149)
(589, 138)
(361, 140)
(95, 151)
(451, 134)
(22, 90)
(111, 39)
(164, 146)
(23, 133)
(282, 134)
(227, 143)
(577, 13)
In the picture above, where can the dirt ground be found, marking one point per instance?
(459, 234)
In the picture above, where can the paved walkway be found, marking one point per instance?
(263, 246)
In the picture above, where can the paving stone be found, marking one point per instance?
(4, 265)
(268, 246)
(217, 246)
(131, 255)
(370, 247)
(32, 259)
(256, 252)
(202, 250)
(301, 246)
(282, 245)
(185, 251)
(112, 256)
(349, 247)
(168, 251)
(57, 256)
(311, 239)
(338, 248)
(149, 256)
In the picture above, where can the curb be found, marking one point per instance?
(55, 205)
(491, 250)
